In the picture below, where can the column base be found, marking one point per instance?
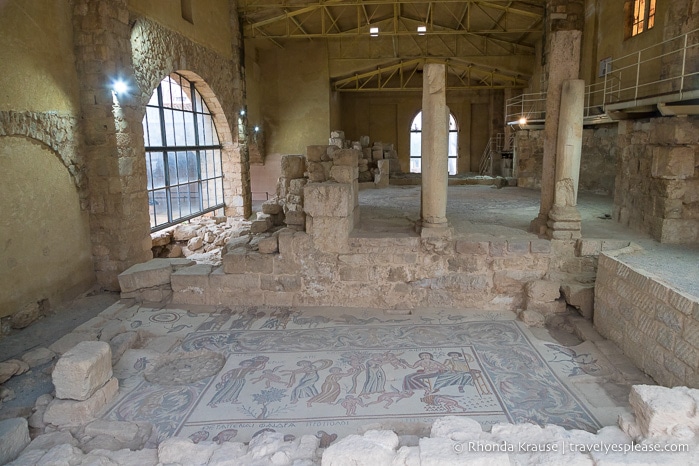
(538, 225)
(564, 223)
(434, 230)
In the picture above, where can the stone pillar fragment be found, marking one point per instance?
(435, 146)
(564, 217)
(564, 64)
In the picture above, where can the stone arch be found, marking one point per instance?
(56, 132)
(157, 52)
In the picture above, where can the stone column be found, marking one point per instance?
(565, 19)
(564, 217)
(112, 139)
(435, 151)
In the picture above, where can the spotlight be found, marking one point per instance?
(421, 30)
(257, 128)
(522, 121)
(242, 112)
(119, 86)
(374, 32)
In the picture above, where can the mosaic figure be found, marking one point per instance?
(245, 321)
(355, 363)
(217, 321)
(306, 386)
(325, 438)
(458, 372)
(225, 436)
(330, 389)
(350, 403)
(442, 402)
(375, 377)
(278, 319)
(389, 398)
(269, 376)
(233, 381)
(199, 436)
(427, 367)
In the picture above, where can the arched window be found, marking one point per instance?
(183, 154)
(416, 144)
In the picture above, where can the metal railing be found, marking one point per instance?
(664, 72)
(497, 143)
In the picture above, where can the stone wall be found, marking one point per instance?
(597, 165)
(652, 322)
(657, 186)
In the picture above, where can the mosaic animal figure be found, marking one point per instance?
(582, 363)
(199, 436)
(392, 397)
(325, 438)
(443, 402)
(312, 322)
(225, 436)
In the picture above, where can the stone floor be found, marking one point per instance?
(208, 373)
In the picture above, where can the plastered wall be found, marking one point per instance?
(45, 251)
(210, 24)
(387, 118)
(44, 230)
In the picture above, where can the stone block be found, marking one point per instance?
(261, 225)
(272, 207)
(25, 316)
(38, 356)
(233, 281)
(546, 308)
(540, 246)
(14, 437)
(316, 172)
(244, 261)
(381, 180)
(673, 162)
(81, 371)
(195, 276)
(472, 247)
(532, 318)
(336, 133)
(292, 166)
(268, 245)
(296, 217)
(280, 282)
(581, 297)
(518, 247)
(296, 187)
(76, 413)
(346, 157)
(343, 173)
(316, 153)
(588, 247)
(185, 232)
(328, 199)
(679, 231)
(331, 234)
(543, 290)
(660, 410)
(155, 272)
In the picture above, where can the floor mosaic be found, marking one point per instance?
(235, 372)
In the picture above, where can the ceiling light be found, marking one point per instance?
(242, 112)
(374, 32)
(257, 128)
(522, 121)
(421, 30)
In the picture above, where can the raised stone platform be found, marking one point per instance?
(648, 303)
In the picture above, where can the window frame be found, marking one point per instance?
(200, 156)
(452, 133)
(640, 16)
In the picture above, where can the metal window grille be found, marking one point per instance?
(416, 145)
(183, 154)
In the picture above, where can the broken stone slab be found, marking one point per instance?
(25, 316)
(49, 440)
(81, 371)
(121, 343)
(272, 207)
(36, 420)
(150, 274)
(75, 413)
(664, 412)
(195, 243)
(532, 318)
(292, 166)
(177, 450)
(14, 437)
(127, 434)
(12, 367)
(372, 449)
(268, 245)
(581, 297)
(328, 199)
(185, 232)
(543, 290)
(38, 356)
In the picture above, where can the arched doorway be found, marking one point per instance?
(416, 144)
